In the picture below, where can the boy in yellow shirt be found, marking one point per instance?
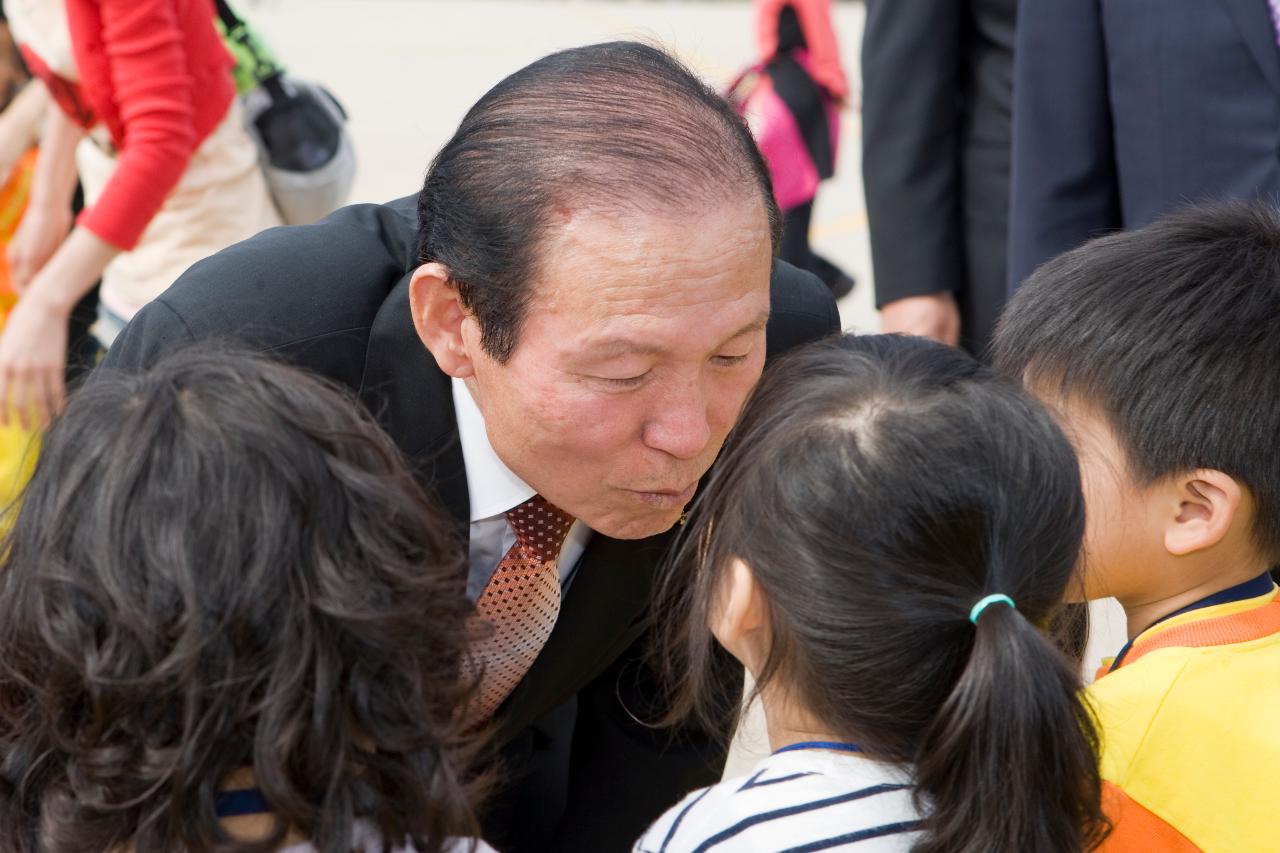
(1160, 351)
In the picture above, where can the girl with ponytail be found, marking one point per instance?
(884, 537)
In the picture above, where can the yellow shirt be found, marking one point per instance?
(1191, 735)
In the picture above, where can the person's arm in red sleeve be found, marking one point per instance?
(819, 36)
(824, 47)
(154, 93)
(766, 22)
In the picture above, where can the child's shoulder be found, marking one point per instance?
(1178, 688)
(794, 799)
(1188, 734)
(1150, 710)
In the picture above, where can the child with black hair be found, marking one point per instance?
(229, 620)
(880, 544)
(1157, 348)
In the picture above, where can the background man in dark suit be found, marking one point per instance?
(936, 102)
(1128, 109)
(574, 315)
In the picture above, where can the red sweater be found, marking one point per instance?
(156, 74)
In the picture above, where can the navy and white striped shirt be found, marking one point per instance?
(792, 802)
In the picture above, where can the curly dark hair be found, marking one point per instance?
(223, 563)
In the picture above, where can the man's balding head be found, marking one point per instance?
(617, 128)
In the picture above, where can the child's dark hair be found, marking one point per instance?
(223, 563)
(878, 487)
(1171, 332)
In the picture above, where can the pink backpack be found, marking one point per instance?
(791, 167)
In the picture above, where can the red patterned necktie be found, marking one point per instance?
(520, 603)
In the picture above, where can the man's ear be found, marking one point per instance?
(1208, 502)
(438, 316)
(739, 619)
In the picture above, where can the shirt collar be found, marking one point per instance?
(1257, 592)
(493, 488)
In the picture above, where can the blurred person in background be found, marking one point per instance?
(792, 101)
(22, 108)
(147, 117)
(936, 104)
(1127, 110)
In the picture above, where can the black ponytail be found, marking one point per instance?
(1009, 762)
(902, 483)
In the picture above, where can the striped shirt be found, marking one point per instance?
(795, 801)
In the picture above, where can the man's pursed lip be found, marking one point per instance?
(667, 498)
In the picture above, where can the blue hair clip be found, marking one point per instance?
(983, 603)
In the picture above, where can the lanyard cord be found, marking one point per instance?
(820, 744)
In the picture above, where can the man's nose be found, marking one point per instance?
(680, 426)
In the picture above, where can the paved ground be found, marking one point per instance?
(407, 70)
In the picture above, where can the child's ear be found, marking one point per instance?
(1208, 502)
(738, 616)
(438, 316)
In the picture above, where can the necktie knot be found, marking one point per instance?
(520, 603)
(540, 528)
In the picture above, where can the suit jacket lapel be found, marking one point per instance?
(1253, 19)
(600, 617)
(413, 400)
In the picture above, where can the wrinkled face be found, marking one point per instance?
(643, 338)
(1123, 542)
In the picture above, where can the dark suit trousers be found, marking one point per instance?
(937, 94)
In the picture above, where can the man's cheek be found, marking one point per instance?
(728, 408)
(588, 423)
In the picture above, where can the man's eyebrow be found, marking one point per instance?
(754, 326)
(618, 347)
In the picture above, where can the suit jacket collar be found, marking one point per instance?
(1253, 19)
(411, 397)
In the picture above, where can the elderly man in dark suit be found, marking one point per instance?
(560, 336)
(1125, 110)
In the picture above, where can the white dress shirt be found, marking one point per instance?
(494, 491)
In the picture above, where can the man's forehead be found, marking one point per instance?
(652, 233)
(680, 256)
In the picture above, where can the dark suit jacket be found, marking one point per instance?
(1129, 108)
(936, 103)
(333, 298)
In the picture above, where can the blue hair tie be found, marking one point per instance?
(983, 603)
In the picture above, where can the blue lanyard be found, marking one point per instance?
(819, 744)
(241, 801)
